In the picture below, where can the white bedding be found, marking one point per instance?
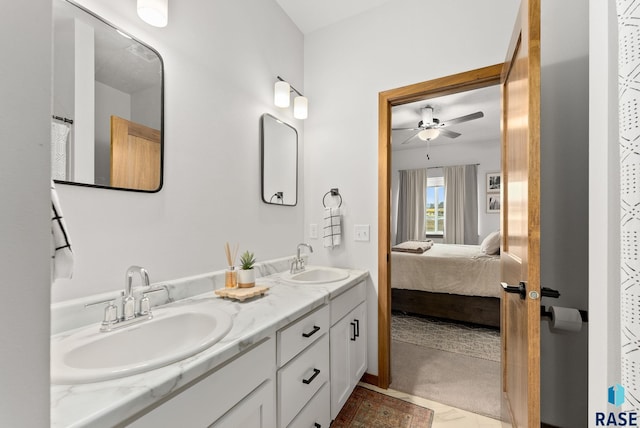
(445, 268)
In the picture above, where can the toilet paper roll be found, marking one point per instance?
(565, 319)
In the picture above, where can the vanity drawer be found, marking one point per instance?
(344, 303)
(301, 378)
(302, 333)
(202, 403)
(317, 412)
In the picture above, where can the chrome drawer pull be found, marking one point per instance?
(312, 332)
(316, 372)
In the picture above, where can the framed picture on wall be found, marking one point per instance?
(494, 180)
(493, 202)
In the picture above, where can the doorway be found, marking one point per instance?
(466, 81)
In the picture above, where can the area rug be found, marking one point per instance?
(471, 340)
(368, 409)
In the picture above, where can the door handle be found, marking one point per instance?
(520, 289)
(357, 327)
(353, 324)
(548, 292)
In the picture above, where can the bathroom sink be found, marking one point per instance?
(174, 333)
(317, 275)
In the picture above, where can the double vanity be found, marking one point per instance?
(288, 359)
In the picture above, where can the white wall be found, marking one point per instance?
(25, 229)
(486, 154)
(564, 230)
(604, 203)
(221, 60)
(140, 111)
(346, 66)
(109, 101)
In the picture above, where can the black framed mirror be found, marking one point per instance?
(108, 104)
(279, 146)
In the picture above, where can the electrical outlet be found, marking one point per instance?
(313, 231)
(362, 232)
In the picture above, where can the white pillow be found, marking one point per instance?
(491, 244)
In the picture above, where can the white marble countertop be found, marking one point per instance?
(110, 402)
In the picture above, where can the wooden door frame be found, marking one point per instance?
(467, 81)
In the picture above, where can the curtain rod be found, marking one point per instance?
(437, 167)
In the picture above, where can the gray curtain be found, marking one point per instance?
(411, 205)
(461, 205)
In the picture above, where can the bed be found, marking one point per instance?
(457, 282)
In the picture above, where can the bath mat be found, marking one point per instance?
(367, 409)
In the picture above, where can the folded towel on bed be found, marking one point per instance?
(416, 247)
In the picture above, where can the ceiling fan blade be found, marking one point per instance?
(461, 119)
(406, 129)
(450, 134)
(409, 139)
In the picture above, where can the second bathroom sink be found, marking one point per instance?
(317, 275)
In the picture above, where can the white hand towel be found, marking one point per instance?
(59, 137)
(332, 227)
(61, 254)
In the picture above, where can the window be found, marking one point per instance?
(434, 216)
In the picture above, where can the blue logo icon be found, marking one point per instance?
(616, 395)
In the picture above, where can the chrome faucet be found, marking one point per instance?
(129, 302)
(129, 316)
(297, 264)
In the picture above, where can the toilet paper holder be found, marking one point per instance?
(544, 313)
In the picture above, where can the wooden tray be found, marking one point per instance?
(241, 293)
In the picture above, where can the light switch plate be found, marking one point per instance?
(313, 231)
(362, 232)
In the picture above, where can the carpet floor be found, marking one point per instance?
(448, 370)
(367, 409)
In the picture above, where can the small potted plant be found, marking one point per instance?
(246, 274)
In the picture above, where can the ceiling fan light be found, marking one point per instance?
(154, 12)
(428, 134)
(300, 107)
(281, 96)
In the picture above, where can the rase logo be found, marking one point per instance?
(615, 395)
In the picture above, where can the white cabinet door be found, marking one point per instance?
(339, 338)
(359, 346)
(257, 410)
(348, 344)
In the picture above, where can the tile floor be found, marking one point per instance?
(445, 416)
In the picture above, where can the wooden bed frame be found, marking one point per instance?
(473, 309)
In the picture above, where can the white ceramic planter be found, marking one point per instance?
(246, 278)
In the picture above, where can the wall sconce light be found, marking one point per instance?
(154, 12)
(282, 98)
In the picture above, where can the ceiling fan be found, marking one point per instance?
(430, 127)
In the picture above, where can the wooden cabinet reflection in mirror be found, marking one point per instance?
(135, 155)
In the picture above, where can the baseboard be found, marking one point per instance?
(370, 379)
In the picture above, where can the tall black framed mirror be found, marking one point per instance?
(279, 146)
